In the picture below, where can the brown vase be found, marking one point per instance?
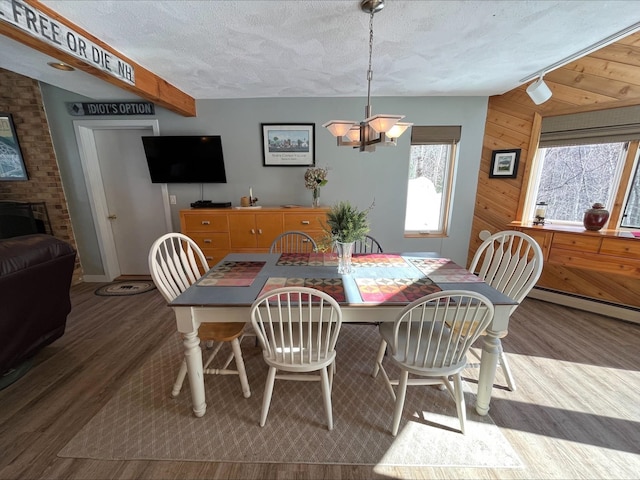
(595, 217)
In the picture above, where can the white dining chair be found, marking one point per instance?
(429, 339)
(367, 244)
(511, 262)
(297, 328)
(175, 263)
(293, 242)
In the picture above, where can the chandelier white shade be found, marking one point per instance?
(381, 129)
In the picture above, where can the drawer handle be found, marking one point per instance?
(207, 240)
(305, 222)
(206, 222)
(209, 258)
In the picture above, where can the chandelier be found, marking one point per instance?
(382, 129)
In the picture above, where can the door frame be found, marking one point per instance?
(85, 138)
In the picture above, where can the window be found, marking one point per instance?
(572, 178)
(631, 212)
(431, 166)
(585, 158)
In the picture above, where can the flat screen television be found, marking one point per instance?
(185, 159)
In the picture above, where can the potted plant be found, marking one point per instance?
(345, 225)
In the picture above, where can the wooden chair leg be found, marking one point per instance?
(381, 349)
(182, 373)
(235, 345)
(268, 391)
(459, 397)
(326, 396)
(400, 396)
(511, 383)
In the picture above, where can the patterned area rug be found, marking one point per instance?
(142, 421)
(132, 287)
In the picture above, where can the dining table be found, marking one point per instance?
(377, 289)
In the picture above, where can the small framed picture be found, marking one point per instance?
(504, 163)
(11, 163)
(288, 145)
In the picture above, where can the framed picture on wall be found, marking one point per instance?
(504, 163)
(288, 145)
(11, 164)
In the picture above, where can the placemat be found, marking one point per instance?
(232, 274)
(443, 270)
(377, 260)
(392, 290)
(331, 259)
(331, 286)
(316, 259)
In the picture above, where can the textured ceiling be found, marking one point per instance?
(319, 48)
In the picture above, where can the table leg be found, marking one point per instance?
(193, 355)
(488, 364)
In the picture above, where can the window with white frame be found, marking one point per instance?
(581, 160)
(572, 178)
(431, 166)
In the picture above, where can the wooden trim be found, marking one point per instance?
(532, 151)
(623, 185)
(589, 305)
(147, 85)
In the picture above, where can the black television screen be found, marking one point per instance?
(185, 159)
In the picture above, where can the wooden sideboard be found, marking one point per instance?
(219, 231)
(603, 265)
(605, 251)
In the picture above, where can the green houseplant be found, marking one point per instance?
(345, 223)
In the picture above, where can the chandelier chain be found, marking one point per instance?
(370, 71)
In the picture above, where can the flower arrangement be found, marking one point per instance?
(345, 223)
(315, 177)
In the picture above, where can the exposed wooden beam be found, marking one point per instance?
(147, 84)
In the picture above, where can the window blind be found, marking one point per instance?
(603, 126)
(435, 135)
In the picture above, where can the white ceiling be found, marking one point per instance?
(319, 48)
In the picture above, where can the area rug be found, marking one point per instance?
(143, 422)
(132, 287)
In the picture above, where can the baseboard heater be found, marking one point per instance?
(580, 302)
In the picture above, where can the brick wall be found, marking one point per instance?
(20, 96)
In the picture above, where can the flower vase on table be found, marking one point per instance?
(345, 252)
(314, 178)
(315, 202)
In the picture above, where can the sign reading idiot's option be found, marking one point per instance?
(40, 25)
(110, 108)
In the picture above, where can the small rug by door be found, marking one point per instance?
(143, 422)
(131, 287)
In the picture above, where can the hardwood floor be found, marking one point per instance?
(575, 414)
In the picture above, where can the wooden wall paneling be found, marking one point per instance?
(608, 78)
(596, 67)
(600, 89)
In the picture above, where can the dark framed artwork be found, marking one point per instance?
(11, 163)
(289, 144)
(504, 163)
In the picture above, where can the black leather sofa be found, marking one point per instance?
(35, 280)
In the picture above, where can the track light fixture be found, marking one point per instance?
(539, 91)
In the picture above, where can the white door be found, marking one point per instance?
(136, 212)
(129, 211)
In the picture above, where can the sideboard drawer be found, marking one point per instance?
(621, 247)
(206, 222)
(217, 240)
(570, 241)
(304, 222)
